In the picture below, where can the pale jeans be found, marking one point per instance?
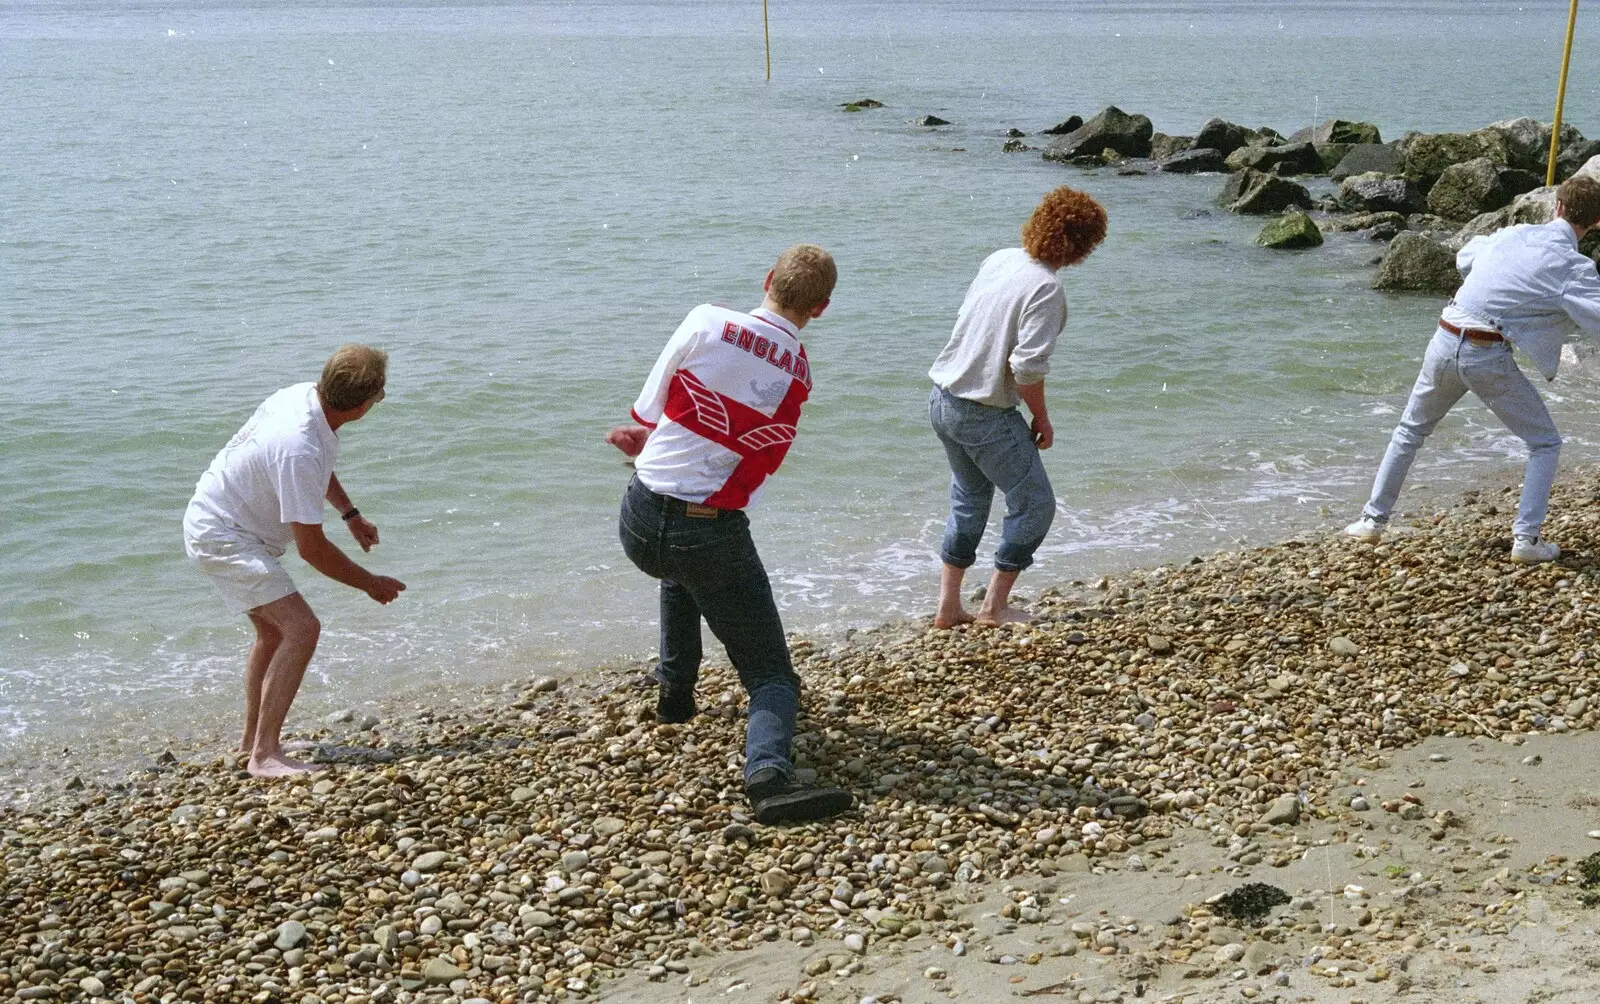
(1451, 367)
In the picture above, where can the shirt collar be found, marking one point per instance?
(320, 415)
(777, 320)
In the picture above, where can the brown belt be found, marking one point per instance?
(1472, 334)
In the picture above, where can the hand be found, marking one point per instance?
(1043, 433)
(384, 589)
(364, 531)
(629, 439)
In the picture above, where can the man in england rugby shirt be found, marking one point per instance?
(714, 420)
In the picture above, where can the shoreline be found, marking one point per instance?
(536, 841)
(38, 765)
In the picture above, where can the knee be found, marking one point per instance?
(1548, 443)
(267, 633)
(304, 629)
(1406, 434)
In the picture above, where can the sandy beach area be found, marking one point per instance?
(1316, 771)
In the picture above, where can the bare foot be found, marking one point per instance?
(278, 766)
(946, 619)
(1005, 615)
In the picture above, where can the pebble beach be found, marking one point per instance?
(1090, 784)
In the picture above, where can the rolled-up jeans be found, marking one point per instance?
(991, 448)
(1452, 366)
(708, 567)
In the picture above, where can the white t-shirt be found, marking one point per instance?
(273, 472)
(722, 404)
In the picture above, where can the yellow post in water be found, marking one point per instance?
(767, 31)
(1561, 97)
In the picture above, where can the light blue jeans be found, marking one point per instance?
(1451, 367)
(991, 448)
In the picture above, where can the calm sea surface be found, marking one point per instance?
(520, 201)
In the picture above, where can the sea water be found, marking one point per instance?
(521, 200)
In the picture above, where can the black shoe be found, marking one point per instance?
(674, 707)
(779, 798)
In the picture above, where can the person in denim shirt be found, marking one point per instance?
(1527, 287)
(997, 358)
(714, 421)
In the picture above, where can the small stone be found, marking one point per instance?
(92, 986)
(523, 794)
(855, 943)
(548, 685)
(387, 939)
(290, 934)
(574, 862)
(440, 972)
(185, 813)
(294, 957)
(1284, 809)
(324, 835)
(410, 878)
(1229, 954)
(934, 973)
(1360, 804)
(1340, 645)
(776, 882)
(431, 925)
(608, 826)
(431, 861)
(341, 717)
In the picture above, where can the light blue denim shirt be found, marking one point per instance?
(1532, 284)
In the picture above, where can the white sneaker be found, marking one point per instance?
(1366, 528)
(1534, 551)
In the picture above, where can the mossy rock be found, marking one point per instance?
(1416, 264)
(1430, 155)
(1293, 229)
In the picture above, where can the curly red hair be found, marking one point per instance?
(1067, 226)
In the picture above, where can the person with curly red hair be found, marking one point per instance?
(996, 359)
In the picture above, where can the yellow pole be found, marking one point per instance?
(1561, 97)
(767, 31)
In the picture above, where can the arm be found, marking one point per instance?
(1032, 395)
(1581, 298)
(322, 554)
(361, 528)
(1468, 254)
(1043, 319)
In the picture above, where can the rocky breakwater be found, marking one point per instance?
(529, 843)
(1443, 187)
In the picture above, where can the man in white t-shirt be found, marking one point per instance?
(264, 490)
(715, 419)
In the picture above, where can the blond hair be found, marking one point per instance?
(354, 375)
(803, 278)
(1067, 225)
(1580, 196)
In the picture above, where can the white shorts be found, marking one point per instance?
(244, 572)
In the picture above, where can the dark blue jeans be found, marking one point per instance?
(708, 567)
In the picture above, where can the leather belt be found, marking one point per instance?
(1472, 334)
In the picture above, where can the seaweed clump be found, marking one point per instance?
(1589, 879)
(1251, 902)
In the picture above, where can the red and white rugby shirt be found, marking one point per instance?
(721, 404)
